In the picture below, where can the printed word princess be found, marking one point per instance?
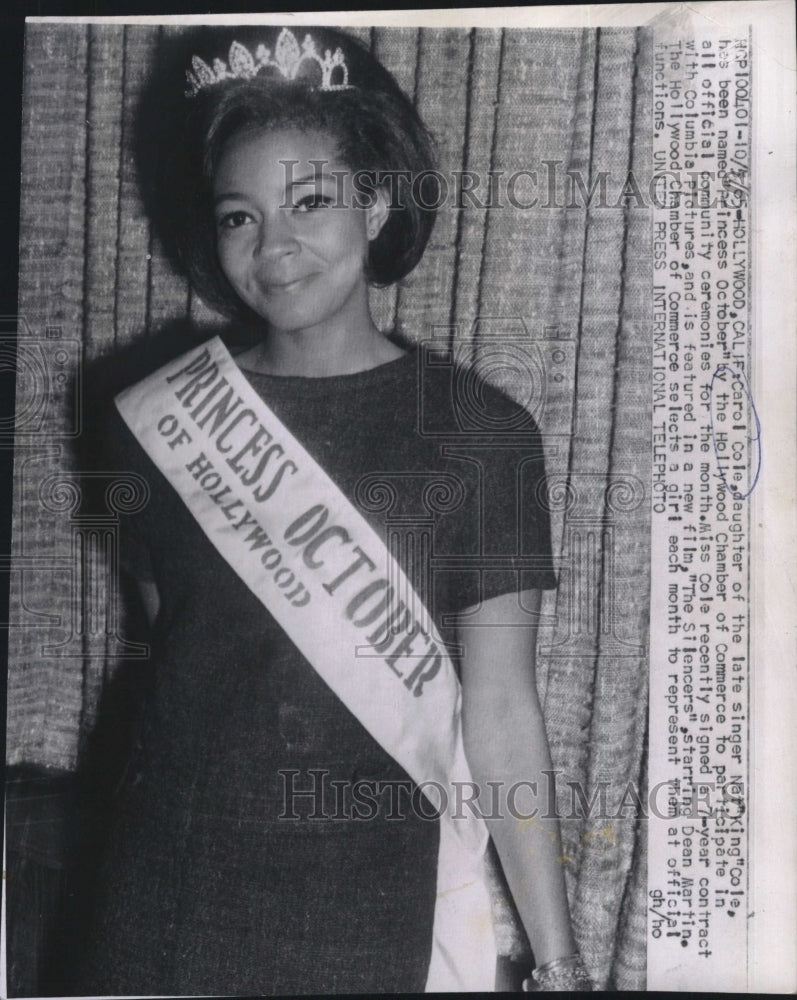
(256, 459)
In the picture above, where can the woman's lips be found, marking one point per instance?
(285, 287)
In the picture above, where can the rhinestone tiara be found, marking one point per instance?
(288, 59)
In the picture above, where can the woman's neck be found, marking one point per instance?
(316, 354)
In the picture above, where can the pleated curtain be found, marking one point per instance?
(565, 286)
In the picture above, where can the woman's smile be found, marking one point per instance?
(287, 286)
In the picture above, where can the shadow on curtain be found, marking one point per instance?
(550, 300)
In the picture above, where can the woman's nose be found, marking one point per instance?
(275, 238)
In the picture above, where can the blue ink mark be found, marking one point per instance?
(721, 373)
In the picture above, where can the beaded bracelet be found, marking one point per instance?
(567, 973)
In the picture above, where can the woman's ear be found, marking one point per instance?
(377, 213)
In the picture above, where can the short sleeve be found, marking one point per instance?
(507, 537)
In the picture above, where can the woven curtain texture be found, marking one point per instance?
(564, 287)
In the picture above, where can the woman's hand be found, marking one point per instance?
(561, 976)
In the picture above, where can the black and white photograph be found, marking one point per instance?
(392, 445)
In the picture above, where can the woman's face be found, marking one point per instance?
(289, 238)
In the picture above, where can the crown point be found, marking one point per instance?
(241, 62)
(288, 54)
(203, 74)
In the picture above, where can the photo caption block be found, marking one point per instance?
(706, 456)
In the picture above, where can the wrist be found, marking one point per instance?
(554, 948)
(565, 973)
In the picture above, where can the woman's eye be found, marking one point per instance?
(233, 220)
(311, 202)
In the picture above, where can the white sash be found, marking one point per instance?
(325, 575)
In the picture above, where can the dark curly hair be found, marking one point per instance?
(373, 123)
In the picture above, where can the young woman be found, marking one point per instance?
(307, 669)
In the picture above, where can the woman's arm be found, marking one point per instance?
(505, 741)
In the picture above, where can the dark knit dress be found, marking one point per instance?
(221, 877)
